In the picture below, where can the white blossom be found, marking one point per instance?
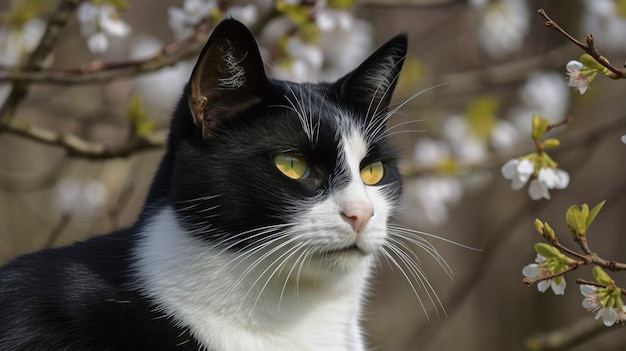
(434, 195)
(537, 271)
(503, 25)
(429, 152)
(183, 20)
(73, 195)
(16, 42)
(602, 18)
(547, 178)
(247, 14)
(518, 171)
(623, 138)
(344, 41)
(543, 94)
(576, 78)
(593, 302)
(98, 23)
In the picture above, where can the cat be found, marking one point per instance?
(259, 231)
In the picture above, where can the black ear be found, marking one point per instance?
(372, 83)
(228, 77)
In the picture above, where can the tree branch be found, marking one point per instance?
(589, 48)
(98, 71)
(79, 147)
(35, 61)
(566, 337)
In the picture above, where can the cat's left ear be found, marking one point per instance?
(372, 83)
(228, 77)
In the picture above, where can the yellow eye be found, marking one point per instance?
(292, 165)
(372, 173)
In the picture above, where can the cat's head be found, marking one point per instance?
(258, 163)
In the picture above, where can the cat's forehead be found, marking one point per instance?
(318, 112)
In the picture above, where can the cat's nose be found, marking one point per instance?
(358, 216)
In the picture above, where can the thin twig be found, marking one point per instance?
(572, 267)
(589, 47)
(78, 147)
(57, 230)
(99, 71)
(566, 337)
(35, 61)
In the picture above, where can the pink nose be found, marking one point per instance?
(357, 216)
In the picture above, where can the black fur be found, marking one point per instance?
(84, 296)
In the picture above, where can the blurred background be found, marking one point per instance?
(78, 152)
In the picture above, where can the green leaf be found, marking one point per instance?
(548, 232)
(297, 13)
(620, 8)
(539, 225)
(592, 66)
(540, 126)
(575, 223)
(481, 116)
(601, 277)
(548, 251)
(138, 116)
(593, 213)
(118, 4)
(551, 143)
(341, 4)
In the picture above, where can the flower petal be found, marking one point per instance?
(609, 316)
(509, 169)
(562, 179)
(537, 191)
(573, 66)
(547, 177)
(544, 285)
(525, 168)
(587, 290)
(588, 304)
(532, 271)
(558, 288)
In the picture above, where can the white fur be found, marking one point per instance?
(288, 296)
(236, 73)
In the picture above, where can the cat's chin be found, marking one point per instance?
(348, 250)
(343, 260)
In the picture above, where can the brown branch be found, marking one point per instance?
(587, 282)
(78, 147)
(589, 47)
(98, 71)
(35, 61)
(572, 267)
(57, 230)
(566, 337)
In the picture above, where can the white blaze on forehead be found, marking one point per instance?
(354, 151)
(354, 200)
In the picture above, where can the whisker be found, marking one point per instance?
(395, 263)
(413, 231)
(419, 274)
(293, 266)
(429, 248)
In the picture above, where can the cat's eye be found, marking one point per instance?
(372, 173)
(292, 165)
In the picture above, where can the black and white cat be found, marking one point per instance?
(259, 231)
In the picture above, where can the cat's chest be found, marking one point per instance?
(229, 304)
(324, 328)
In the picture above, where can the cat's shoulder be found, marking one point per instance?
(84, 291)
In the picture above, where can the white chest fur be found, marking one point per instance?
(226, 306)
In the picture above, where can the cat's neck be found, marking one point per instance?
(237, 300)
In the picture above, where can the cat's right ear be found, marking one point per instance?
(228, 77)
(372, 83)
